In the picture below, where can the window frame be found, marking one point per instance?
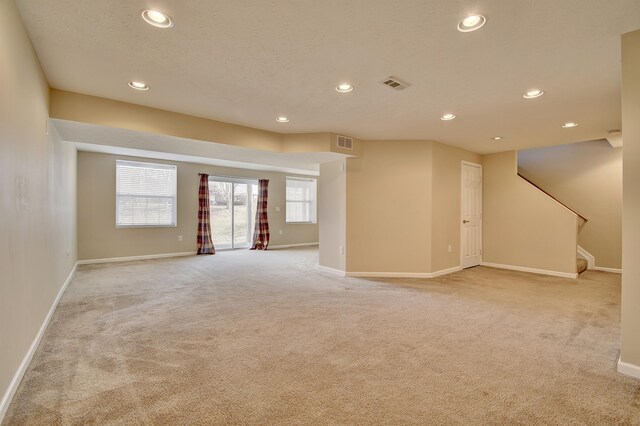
(174, 212)
(313, 202)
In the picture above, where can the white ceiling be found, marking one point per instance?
(247, 61)
(110, 140)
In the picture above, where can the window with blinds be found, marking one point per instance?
(301, 200)
(145, 194)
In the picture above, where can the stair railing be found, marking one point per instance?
(558, 201)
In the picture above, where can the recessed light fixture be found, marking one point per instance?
(471, 23)
(344, 87)
(533, 93)
(569, 125)
(497, 138)
(138, 85)
(447, 117)
(157, 19)
(282, 119)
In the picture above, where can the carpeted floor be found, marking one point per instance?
(266, 338)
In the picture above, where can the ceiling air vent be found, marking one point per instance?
(395, 83)
(345, 142)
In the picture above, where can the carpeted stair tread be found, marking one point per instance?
(581, 265)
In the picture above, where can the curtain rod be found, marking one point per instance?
(232, 177)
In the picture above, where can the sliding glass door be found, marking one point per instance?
(233, 205)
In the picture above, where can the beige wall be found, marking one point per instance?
(37, 199)
(403, 207)
(630, 350)
(307, 142)
(389, 207)
(98, 237)
(357, 146)
(587, 177)
(445, 220)
(106, 112)
(522, 226)
(332, 211)
(318, 142)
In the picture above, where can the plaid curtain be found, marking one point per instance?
(205, 244)
(261, 232)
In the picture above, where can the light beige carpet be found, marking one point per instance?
(266, 338)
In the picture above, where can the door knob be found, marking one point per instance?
(465, 221)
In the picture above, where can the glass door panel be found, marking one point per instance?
(232, 204)
(241, 209)
(253, 197)
(220, 194)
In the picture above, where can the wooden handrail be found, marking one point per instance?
(558, 201)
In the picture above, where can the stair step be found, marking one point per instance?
(581, 265)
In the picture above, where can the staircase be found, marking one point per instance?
(581, 265)
(582, 218)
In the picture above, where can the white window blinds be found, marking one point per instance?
(301, 200)
(145, 194)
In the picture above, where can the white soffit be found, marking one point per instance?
(615, 139)
(108, 140)
(247, 62)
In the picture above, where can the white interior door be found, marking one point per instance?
(471, 215)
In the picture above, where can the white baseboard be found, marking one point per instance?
(583, 254)
(17, 377)
(130, 258)
(331, 270)
(163, 255)
(404, 274)
(389, 274)
(292, 245)
(612, 270)
(628, 369)
(530, 270)
(446, 271)
(591, 262)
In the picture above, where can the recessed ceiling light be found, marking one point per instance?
(138, 85)
(344, 87)
(157, 19)
(282, 119)
(497, 138)
(533, 93)
(471, 23)
(569, 125)
(447, 117)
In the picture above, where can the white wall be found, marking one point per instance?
(37, 199)
(630, 344)
(332, 209)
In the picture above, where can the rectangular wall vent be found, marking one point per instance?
(345, 142)
(395, 83)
